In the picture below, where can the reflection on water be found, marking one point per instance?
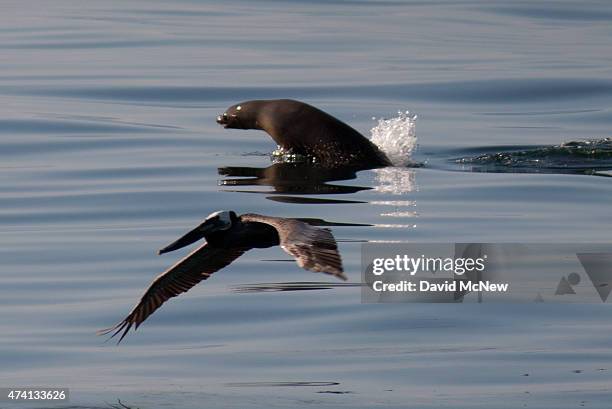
(290, 286)
(321, 222)
(292, 178)
(307, 179)
(120, 405)
(395, 180)
(311, 200)
(295, 178)
(279, 384)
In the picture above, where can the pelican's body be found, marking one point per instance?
(244, 234)
(228, 236)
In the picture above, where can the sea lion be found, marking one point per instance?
(305, 130)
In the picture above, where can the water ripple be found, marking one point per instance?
(50, 126)
(556, 12)
(502, 90)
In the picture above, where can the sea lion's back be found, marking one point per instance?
(305, 129)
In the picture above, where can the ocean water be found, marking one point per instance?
(109, 150)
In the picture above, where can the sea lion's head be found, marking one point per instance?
(241, 116)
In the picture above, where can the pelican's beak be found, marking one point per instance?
(194, 235)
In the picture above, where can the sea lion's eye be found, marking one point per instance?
(238, 108)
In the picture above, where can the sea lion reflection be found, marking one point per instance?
(292, 178)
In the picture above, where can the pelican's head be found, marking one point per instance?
(215, 222)
(219, 220)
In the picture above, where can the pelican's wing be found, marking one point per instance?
(188, 272)
(313, 248)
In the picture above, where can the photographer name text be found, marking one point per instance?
(446, 286)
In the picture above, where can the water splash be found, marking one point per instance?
(282, 155)
(584, 156)
(396, 137)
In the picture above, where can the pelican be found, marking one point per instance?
(228, 236)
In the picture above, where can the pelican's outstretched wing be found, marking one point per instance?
(182, 276)
(314, 248)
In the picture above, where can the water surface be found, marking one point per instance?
(109, 150)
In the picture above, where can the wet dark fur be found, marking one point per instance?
(306, 130)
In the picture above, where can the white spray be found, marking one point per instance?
(396, 137)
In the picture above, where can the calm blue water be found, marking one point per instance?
(109, 150)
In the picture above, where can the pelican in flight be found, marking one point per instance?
(228, 236)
